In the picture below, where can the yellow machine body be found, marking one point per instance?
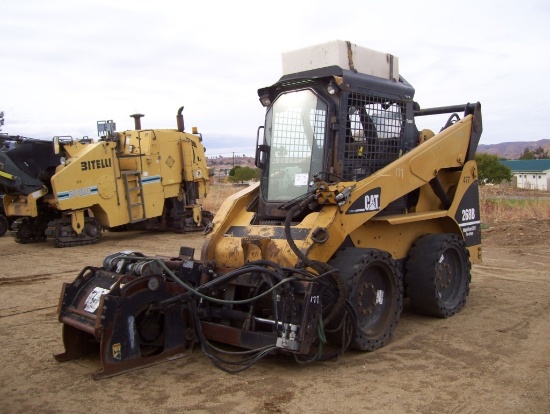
(135, 179)
(127, 179)
(234, 241)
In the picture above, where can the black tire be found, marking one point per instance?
(118, 229)
(376, 294)
(438, 275)
(4, 225)
(23, 230)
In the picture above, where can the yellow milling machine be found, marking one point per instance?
(355, 211)
(142, 178)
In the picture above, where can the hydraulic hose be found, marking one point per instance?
(319, 267)
(215, 282)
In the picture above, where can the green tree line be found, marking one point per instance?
(535, 154)
(490, 170)
(239, 174)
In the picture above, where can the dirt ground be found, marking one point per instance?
(493, 357)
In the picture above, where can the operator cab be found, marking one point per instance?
(331, 123)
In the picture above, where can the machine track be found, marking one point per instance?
(27, 230)
(61, 234)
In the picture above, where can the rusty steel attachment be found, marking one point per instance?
(116, 311)
(140, 311)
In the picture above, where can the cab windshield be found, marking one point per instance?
(295, 131)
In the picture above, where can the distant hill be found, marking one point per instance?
(512, 150)
(507, 150)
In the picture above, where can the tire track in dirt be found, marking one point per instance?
(490, 357)
(15, 311)
(30, 279)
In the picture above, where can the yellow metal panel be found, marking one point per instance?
(411, 217)
(77, 221)
(442, 152)
(397, 237)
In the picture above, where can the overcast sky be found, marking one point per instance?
(65, 64)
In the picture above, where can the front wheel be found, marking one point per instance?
(376, 295)
(438, 275)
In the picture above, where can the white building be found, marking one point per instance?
(530, 174)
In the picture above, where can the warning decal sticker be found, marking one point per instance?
(92, 301)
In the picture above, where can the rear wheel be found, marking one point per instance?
(438, 275)
(376, 295)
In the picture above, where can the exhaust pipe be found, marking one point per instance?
(179, 118)
(137, 121)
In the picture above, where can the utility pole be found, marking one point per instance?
(233, 160)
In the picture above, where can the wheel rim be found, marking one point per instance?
(373, 306)
(448, 275)
(91, 230)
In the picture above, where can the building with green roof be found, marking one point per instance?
(530, 174)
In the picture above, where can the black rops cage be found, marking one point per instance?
(374, 134)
